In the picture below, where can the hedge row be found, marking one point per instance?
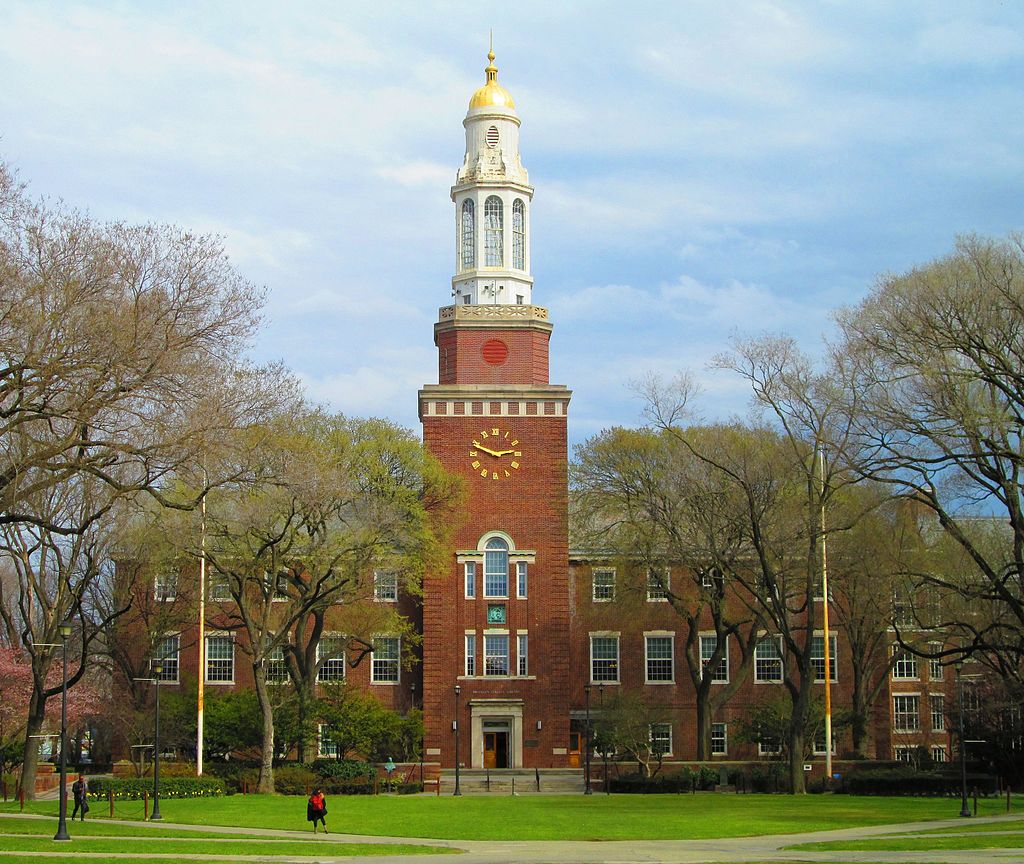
(133, 788)
(687, 780)
(907, 781)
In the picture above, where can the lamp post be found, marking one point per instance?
(62, 825)
(588, 790)
(458, 790)
(412, 687)
(964, 811)
(158, 669)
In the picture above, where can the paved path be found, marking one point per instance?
(740, 849)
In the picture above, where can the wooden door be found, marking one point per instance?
(490, 749)
(574, 749)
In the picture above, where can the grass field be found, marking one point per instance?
(598, 817)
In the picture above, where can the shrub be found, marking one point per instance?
(133, 789)
(343, 769)
(234, 774)
(294, 779)
(907, 781)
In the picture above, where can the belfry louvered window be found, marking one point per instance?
(468, 246)
(518, 235)
(494, 226)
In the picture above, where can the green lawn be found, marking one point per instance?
(598, 817)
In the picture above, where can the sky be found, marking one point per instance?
(704, 171)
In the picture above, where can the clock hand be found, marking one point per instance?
(502, 452)
(480, 446)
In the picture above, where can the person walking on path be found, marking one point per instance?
(78, 789)
(316, 809)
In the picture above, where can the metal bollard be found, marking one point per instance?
(145, 805)
(110, 799)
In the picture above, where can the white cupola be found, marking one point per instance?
(492, 199)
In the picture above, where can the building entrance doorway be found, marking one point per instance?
(496, 740)
(574, 749)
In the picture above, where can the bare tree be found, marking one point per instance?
(936, 358)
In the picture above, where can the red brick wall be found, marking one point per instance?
(461, 359)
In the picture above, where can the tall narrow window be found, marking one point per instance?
(604, 658)
(518, 235)
(384, 665)
(523, 640)
(521, 580)
(495, 654)
(708, 646)
(165, 585)
(166, 651)
(471, 579)
(468, 246)
(496, 568)
(385, 586)
(659, 658)
(275, 670)
(330, 658)
(494, 228)
(220, 660)
(818, 657)
(768, 659)
(471, 654)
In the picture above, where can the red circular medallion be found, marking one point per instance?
(494, 352)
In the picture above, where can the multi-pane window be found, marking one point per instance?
(386, 654)
(906, 714)
(220, 659)
(521, 580)
(603, 589)
(938, 753)
(385, 586)
(661, 739)
(905, 665)
(518, 235)
(902, 609)
(523, 653)
(936, 671)
(165, 585)
(719, 739)
(325, 746)
(818, 657)
(768, 659)
(468, 245)
(219, 587)
(277, 586)
(165, 652)
(937, 705)
(659, 658)
(275, 668)
(471, 654)
(470, 579)
(657, 584)
(494, 226)
(496, 568)
(819, 743)
(330, 657)
(769, 746)
(495, 654)
(604, 658)
(708, 644)
(904, 753)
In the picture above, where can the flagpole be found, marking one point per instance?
(202, 630)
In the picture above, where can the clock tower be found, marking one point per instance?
(496, 618)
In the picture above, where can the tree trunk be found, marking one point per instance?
(305, 697)
(797, 730)
(703, 726)
(859, 715)
(266, 781)
(30, 752)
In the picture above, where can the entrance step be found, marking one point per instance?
(514, 781)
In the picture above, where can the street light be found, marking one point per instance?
(458, 790)
(588, 790)
(412, 687)
(604, 745)
(62, 825)
(963, 753)
(158, 668)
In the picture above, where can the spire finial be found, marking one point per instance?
(491, 70)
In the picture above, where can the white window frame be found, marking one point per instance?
(769, 748)
(385, 586)
(610, 663)
(710, 641)
(936, 671)
(165, 586)
(336, 667)
(904, 753)
(648, 659)
(818, 745)
(939, 753)
(659, 732)
(518, 234)
(275, 670)
(723, 749)
(905, 666)
(904, 719)
(168, 657)
(220, 587)
(322, 738)
(219, 638)
(759, 677)
(496, 655)
(494, 231)
(497, 578)
(658, 581)
(939, 715)
(818, 658)
(469, 569)
(598, 590)
(467, 227)
(381, 665)
(522, 580)
(523, 654)
(469, 667)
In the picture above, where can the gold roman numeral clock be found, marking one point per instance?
(495, 453)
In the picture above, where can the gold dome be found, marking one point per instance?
(492, 94)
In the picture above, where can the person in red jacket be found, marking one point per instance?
(316, 809)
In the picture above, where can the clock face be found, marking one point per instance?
(495, 453)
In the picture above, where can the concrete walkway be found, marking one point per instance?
(740, 849)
